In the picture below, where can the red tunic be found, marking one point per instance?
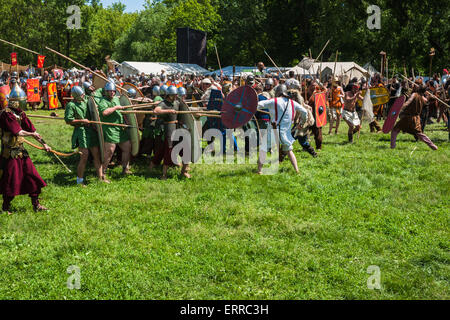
(19, 175)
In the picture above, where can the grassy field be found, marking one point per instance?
(230, 234)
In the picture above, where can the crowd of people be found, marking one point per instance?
(286, 104)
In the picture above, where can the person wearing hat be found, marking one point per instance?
(167, 111)
(18, 175)
(206, 86)
(84, 137)
(283, 113)
(109, 108)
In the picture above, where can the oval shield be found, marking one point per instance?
(239, 107)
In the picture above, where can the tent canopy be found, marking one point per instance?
(343, 70)
(243, 71)
(133, 68)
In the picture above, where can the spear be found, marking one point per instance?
(84, 67)
(432, 95)
(177, 112)
(326, 45)
(218, 60)
(15, 45)
(91, 122)
(281, 73)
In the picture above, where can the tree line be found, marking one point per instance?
(241, 30)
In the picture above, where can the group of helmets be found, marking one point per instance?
(164, 90)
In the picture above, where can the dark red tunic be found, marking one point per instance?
(19, 175)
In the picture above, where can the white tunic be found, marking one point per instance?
(277, 108)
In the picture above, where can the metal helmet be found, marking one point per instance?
(110, 86)
(172, 90)
(163, 90)
(156, 91)
(77, 92)
(182, 92)
(269, 82)
(87, 85)
(14, 75)
(281, 91)
(18, 95)
(132, 93)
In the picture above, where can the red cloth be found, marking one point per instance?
(19, 175)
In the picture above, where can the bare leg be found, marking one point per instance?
(293, 160)
(185, 171)
(331, 124)
(109, 151)
(95, 151)
(261, 160)
(126, 154)
(165, 169)
(338, 122)
(83, 161)
(350, 131)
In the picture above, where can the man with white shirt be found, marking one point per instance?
(283, 113)
(292, 83)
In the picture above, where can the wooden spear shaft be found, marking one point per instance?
(432, 95)
(281, 73)
(326, 45)
(177, 112)
(15, 45)
(93, 122)
(218, 60)
(81, 66)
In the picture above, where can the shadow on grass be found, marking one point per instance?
(65, 179)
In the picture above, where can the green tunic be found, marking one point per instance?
(83, 136)
(152, 128)
(112, 134)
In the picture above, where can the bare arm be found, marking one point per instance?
(159, 110)
(35, 135)
(110, 111)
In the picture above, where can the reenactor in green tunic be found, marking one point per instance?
(109, 109)
(84, 137)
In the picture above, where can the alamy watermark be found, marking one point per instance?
(374, 281)
(74, 281)
(229, 147)
(74, 20)
(374, 20)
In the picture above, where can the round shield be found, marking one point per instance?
(239, 107)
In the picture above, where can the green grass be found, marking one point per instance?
(230, 234)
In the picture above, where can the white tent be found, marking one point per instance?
(136, 68)
(371, 69)
(348, 69)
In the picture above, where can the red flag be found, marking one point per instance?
(13, 59)
(40, 63)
